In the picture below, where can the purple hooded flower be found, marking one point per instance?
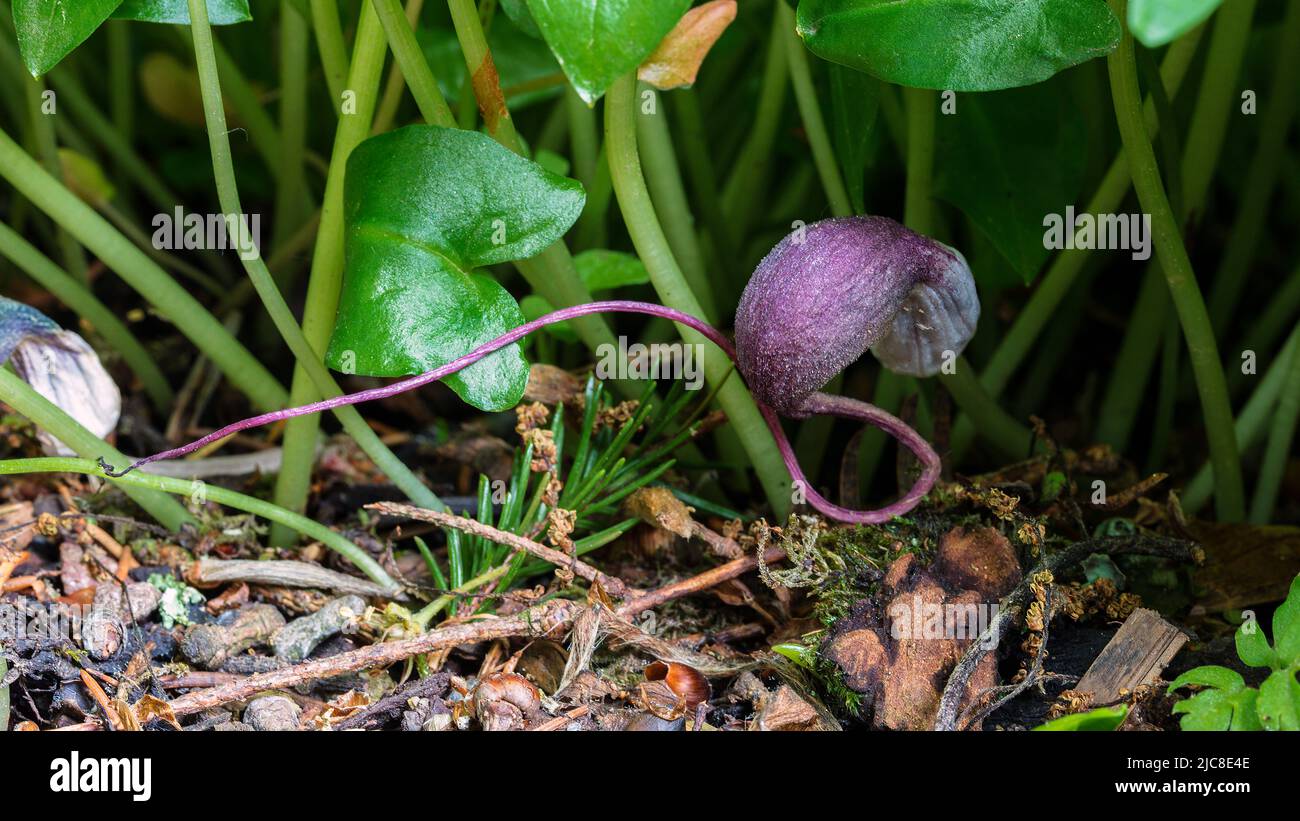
(828, 292)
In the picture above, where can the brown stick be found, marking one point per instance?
(539, 620)
(696, 584)
(613, 584)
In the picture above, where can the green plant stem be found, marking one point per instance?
(292, 199)
(1261, 179)
(51, 418)
(426, 614)
(1278, 449)
(653, 248)
(306, 354)
(1250, 424)
(1179, 276)
(396, 82)
(325, 284)
(80, 299)
(1215, 100)
(1265, 330)
(664, 177)
(742, 194)
(143, 274)
(142, 480)
(1021, 337)
(333, 50)
(1010, 438)
(918, 208)
(810, 111)
(408, 57)
(584, 139)
(47, 146)
(121, 82)
(693, 144)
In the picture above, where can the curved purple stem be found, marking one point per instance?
(842, 406)
(817, 403)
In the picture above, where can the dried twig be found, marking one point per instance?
(284, 574)
(613, 584)
(540, 620)
(696, 584)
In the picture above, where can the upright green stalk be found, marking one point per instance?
(652, 246)
(171, 301)
(1179, 276)
(414, 68)
(584, 142)
(145, 481)
(396, 83)
(333, 50)
(121, 79)
(309, 363)
(79, 298)
(918, 210)
(669, 194)
(52, 419)
(813, 123)
(47, 147)
(292, 199)
(1261, 179)
(693, 143)
(744, 187)
(1278, 450)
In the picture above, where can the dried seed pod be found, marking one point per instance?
(687, 683)
(828, 292)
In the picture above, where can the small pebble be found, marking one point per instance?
(272, 713)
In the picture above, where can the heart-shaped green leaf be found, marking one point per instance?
(48, 30)
(960, 45)
(220, 12)
(424, 207)
(1008, 158)
(1156, 22)
(598, 41)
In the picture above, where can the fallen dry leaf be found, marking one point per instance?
(677, 60)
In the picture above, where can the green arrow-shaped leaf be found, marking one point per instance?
(598, 41)
(220, 12)
(961, 45)
(48, 30)
(424, 208)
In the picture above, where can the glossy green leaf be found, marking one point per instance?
(598, 41)
(48, 30)
(961, 45)
(1157, 22)
(1102, 719)
(220, 12)
(1008, 158)
(424, 208)
(1278, 704)
(1286, 628)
